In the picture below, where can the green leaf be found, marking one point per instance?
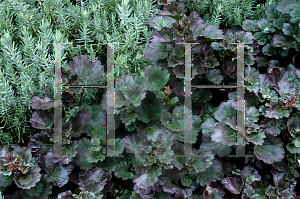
(207, 126)
(269, 50)
(215, 193)
(153, 125)
(212, 32)
(6, 180)
(262, 38)
(242, 36)
(296, 10)
(293, 124)
(42, 119)
(174, 10)
(131, 144)
(155, 51)
(133, 88)
(272, 79)
(156, 76)
(183, 191)
(122, 171)
(217, 46)
(28, 180)
(209, 111)
(274, 110)
(59, 174)
(186, 182)
(179, 149)
(120, 100)
(272, 13)
(80, 122)
(270, 151)
(250, 175)
(177, 119)
(68, 152)
(283, 41)
(176, 122)
(165, 35)
(161, 195)
(95, 154)
(256, 138)
(119, 146)
(250, 25)
(42, 189)
(99, 115)
(162, 140)
(172, 175)
(217, 148)
(211, 174)
(99, 132)
(252, 78)
(226, 135)
(287, 29)
(173, 101)
(128, 118)
(150, 109)
(214, 75)
(110, 163)
(234, 184)
(136, 94)
(251, 99)
(284, 6)
(285, 87)
(80, 159)
(225, 111)
(256, 190)
(201, 95)
(251, 115)
(95, 181)
(296, 142)
(283, 52)
(42, 103)
(145, 176)
(160, 94)
(197, 26)
(292, 148)
(86, 70)
(203, 161)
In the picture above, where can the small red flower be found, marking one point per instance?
(294, 100)
(167, 90)
(11, 166)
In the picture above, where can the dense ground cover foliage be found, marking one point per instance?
(28, 30)
(149, 118)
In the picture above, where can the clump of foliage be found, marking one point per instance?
(228, 13)
(29, 29)
(149, 119)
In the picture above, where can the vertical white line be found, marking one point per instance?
(57, 103)
(240, 100)
(110, 97)
(240, 150)
(188, 120)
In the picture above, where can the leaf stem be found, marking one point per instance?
(80, 98)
